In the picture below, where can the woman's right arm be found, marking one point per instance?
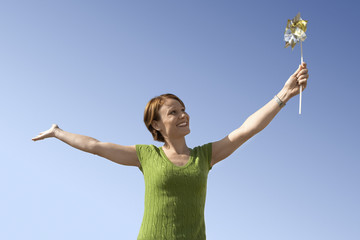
(125, 155)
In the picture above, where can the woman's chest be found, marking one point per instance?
(167, 176)
(178, 160)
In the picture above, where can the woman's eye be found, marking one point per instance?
(173, 112)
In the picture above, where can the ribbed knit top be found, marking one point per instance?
(174, 195)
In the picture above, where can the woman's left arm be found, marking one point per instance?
(261, 118)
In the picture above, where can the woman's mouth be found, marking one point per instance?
(184, 124)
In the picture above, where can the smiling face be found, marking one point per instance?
(173, 121)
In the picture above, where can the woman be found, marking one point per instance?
(176, 175)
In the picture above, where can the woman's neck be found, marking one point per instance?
(176, 146)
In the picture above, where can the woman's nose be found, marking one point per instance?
(183, 115)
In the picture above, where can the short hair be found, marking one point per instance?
(151, 113)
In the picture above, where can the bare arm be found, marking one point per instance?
(125, 155)
(260, 119)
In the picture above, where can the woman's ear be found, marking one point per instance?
(155, 125)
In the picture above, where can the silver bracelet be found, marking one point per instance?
(278, 100)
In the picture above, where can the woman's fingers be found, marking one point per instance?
(302, 76)
(302, 80)
(297, 71)
(36, 138)
(302, 72)
(46, 134)
(39, 136)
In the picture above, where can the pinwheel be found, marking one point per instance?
(294, 33)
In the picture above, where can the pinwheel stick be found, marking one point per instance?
(302, 60)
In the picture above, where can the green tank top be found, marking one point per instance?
(174, 196)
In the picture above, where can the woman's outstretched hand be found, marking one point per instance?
(299, 77)
(46, 134)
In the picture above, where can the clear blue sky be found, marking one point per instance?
(91, 67)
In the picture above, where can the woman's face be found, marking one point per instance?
(174, 121)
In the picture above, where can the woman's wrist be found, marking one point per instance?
(57, 132)
(284, 95)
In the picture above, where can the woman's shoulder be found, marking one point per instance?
(203, 147)
(146, 152)
(146, 149)
(204, 150)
